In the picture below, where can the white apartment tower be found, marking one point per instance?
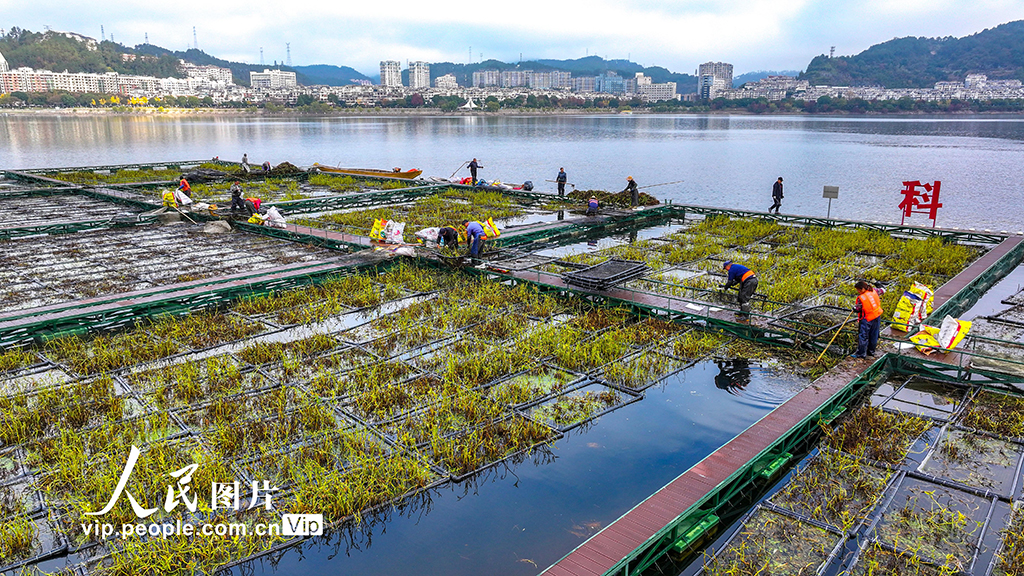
(390, 73)
(419, 75)
(272, 79)
(447, 81)
(3, 65)
(713, 77)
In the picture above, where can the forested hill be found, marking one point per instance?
(59, 51)
(921, 62)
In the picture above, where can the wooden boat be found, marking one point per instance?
(395, 173)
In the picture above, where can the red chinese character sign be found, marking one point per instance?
(920, 199)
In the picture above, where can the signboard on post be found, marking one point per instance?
(830, 192)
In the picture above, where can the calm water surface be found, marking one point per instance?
(728, 161)
(518, 520)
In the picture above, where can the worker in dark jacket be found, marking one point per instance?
(634, 192)
(473, 167)
(869, 313)
(448, 237)
(236, 197)
(561, 180)
(747, 284)
(776, 196)
(474, 237)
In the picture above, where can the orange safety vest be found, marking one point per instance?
(746, 275)
(870, 305)
(184, 185)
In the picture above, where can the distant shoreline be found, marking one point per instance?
(354, 112)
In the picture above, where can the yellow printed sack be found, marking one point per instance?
(377, 232)
(914, 306)
(490, 229)
(256, 219)
(169, 200)
(944, 338)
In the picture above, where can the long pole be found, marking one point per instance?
(457, 169)
(829, 215)
(662, 184)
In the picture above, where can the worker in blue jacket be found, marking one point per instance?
(745, 279)
(474, 237)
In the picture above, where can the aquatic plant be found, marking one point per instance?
(872, 433)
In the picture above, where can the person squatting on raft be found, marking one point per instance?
(869, 312)
(747, 281)
(474, 237)
(184, 187)
(448, 237)
(592, 206)
(236, 197)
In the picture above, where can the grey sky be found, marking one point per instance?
(676, 34)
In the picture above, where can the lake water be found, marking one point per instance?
(728, 161)
(517, 520)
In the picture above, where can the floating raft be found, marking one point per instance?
(606, 274)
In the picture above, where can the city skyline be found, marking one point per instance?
(757, 35)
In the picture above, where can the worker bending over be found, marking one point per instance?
(592, 206)
(634, 192)
(747, 281)
(448, 237)
(869, 312)
(474, 237)
(252, 206)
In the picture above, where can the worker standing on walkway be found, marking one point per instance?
(236, 196)
(474, 237)
(448, 237)
(634, 192)
(869, 312)
(561, 180)
(776, 196)
(473, 167)
(747, 284)
(184, 187)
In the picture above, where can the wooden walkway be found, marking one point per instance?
(607, 548)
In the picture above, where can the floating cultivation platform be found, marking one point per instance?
(356, 386)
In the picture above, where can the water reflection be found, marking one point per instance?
(733, 375)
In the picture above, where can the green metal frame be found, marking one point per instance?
(293, 236)
(947, 234)
(73, 227)
(752, 478)
(144, 166)
(173, 302)
(356, 200)
(969, 295)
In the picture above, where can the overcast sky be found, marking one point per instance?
(677, 34)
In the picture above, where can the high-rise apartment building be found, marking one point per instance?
(419, 75)
(561, 79)
(486, 78)
(713, 77)
(3, 64)
(390, 73)
(514, 78)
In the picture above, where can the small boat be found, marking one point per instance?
(393, 173)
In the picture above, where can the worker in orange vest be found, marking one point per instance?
(869, 311)
(184, 187)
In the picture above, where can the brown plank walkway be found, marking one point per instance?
(605, 549)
